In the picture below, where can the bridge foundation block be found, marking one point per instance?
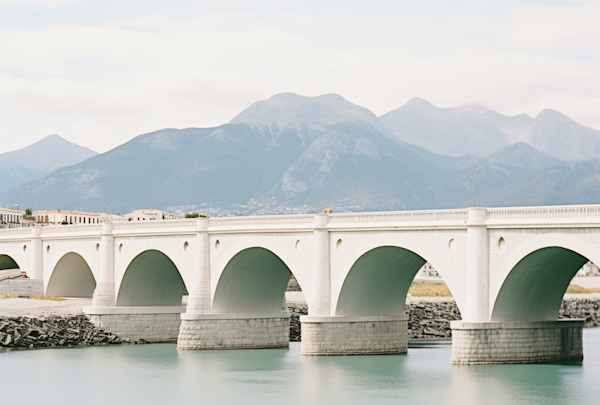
(154, 324)
(234, 331)
(516, 342)
(354, 335)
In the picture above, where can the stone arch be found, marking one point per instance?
(254, 280)
(522, 266)
(378, 282)
(536, 276)
(151, 279)
(7, 262)
(71, 277)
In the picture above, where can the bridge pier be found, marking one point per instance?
(516, 342)
(154, 324)
(234, 331)
(354, 335)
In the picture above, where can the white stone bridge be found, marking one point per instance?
(507, 268)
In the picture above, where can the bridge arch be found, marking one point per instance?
(389, 262)
(254, 280)
(7, 262)
(71, 277)
(378, 282)
(151, 279)
(536, 274)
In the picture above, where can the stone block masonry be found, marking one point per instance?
(516, 342)
(234, 331)
(152, 324)
(353, 335)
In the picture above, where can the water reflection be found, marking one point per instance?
(159, 374)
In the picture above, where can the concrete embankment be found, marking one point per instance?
(25, 332)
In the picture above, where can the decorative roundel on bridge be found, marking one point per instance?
(501, 245)
(185, 246)
(217, 243)
(452, 245)
(297, 243)
(24, 248)
(120, 247)
(339, 244)
(97, 247)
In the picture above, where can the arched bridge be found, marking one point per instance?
(507, 268)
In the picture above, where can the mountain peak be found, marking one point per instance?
(289, 109)
(524, 156)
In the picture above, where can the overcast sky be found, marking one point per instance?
(100, 72)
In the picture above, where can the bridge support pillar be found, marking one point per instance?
(354, 335)
(104, 294)
(36, 271)
(234, 331)
(516, 342)
(477, 266)
(153, 324)
(321, 303)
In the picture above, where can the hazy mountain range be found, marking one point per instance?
(39, 159)
(297, 154)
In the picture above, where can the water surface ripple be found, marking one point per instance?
(160, 374)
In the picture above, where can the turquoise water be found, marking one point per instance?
(159, 374)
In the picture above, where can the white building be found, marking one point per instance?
(66, 217)
(588, 270)
(427, 271)
(10, 218)
(150, 215)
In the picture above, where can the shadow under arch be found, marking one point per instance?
(7, 263)
(254, 280)
(378, 282)
(71, 277)
(151, 279)
(535, 286)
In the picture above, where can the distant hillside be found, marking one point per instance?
(39, 159)
(288, 151)
(478, 131)
(292, 154)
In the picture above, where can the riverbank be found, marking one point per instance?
(54, 331)
(430, 317)
(38, 323)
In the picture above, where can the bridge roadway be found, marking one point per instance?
(507, 268)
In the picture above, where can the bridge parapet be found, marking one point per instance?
(404, 218)
(11, 233)
(554, 215)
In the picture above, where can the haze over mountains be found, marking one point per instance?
(299, 154)
(476, 130)
(39, 159)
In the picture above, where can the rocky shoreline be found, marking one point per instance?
(431, 319)
(54, 331)
(427, 320)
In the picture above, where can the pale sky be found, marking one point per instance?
(100, 72)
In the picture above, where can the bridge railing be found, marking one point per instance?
(60, 229)
(261, 221)
(14, 232)
(162, 224)
(433, 217)
(553, 214)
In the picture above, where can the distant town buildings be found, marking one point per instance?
(71, 217)
(150, 215)
(10, 218)
(62, 217)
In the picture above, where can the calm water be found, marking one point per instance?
(159, 374)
